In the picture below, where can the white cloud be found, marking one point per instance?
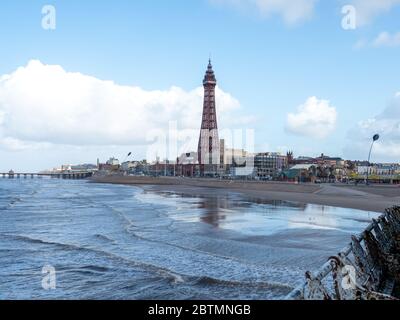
(387, 125)
(44, 104)
(12, 144)
(292, 11)
(315, 118)
(367, 10)
(386, 39)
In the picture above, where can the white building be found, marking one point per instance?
(113, 162)
(188, 158)
(381, 169)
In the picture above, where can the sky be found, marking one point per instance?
(104, 78)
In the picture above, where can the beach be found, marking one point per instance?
(369, 198)
(143, 238)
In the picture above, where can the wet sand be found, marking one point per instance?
(371, 198)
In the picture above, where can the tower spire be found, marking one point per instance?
(210, 76)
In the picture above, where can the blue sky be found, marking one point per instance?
(269, 65)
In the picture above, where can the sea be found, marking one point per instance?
(72, 239)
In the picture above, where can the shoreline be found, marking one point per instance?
(371, 198)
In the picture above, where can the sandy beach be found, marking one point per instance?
(368, 198)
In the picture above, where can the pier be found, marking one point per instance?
(53, 175)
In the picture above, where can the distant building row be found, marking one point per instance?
(239, 164)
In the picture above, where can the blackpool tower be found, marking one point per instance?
(209, 145)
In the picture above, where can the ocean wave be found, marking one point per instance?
(40, 241)
(206, 280)
(13, 201)
(86, 270)
(95, 268)
(104, 238)
(163, 272)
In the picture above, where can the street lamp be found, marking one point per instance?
(126, 158)
(374, 139)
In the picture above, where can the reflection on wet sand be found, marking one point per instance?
(255, 216)
(215, 209)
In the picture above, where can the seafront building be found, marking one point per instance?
(113, 162)
(378, 173)
(269, 165)
(111, 165)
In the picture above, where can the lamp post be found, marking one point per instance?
(126, 158)
(128, 155)
(374, 139)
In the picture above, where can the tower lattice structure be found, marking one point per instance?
(209, 144)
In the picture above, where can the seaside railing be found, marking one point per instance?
(367, 269)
